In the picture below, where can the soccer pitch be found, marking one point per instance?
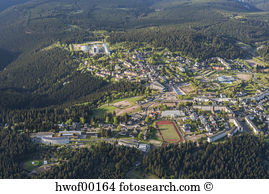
(169, 132)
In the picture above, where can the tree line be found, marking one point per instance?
(240, 157)
(190, 43)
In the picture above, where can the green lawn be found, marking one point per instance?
(131, 99)
(109, 108)
(29, 166)
(169, 132)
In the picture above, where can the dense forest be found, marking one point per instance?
(14, 148)
(4, 4)
(238, 158)
(190, 43)
(241, 157)
(264, 51)
(103, 161)
(100, 161)
(49, 77)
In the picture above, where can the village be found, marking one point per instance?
(191, 100)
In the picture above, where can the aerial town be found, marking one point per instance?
(189, 100)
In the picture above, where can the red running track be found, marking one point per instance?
(169, 123)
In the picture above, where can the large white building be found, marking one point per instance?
(156, 86)
(237, 124)
(129, 143)
(217, 136)
(178, 91)
(39, 135)
(69, 133)
(172, 113)
(93, 47)
(55, 140)
(255, 129)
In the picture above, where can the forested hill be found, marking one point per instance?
(4, 4)
(197, 28)
(240, 157)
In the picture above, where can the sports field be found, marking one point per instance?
(169, 132)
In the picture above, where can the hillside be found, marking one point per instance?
(4, 4)
(197, 28)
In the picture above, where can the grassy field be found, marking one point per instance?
(29, 166)
(109, 108)
(169, 133)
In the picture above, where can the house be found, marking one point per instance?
(186, 128)
(217, 68)
(217, 136)
(208, 128)
(193, 116)
(203, 120)
(136, 117)
(62, 126)
(86, 125)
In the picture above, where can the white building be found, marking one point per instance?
(156, 86)
(69, 133)
(129, 143)
(217, 136)
(107, 51)
(201, 99)
(178, 91)
(143, 147)
(55, 140)
(225, 100)
(84, 48)
(173, 113)
(237, 124)
(39, 135)
(252, 125)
